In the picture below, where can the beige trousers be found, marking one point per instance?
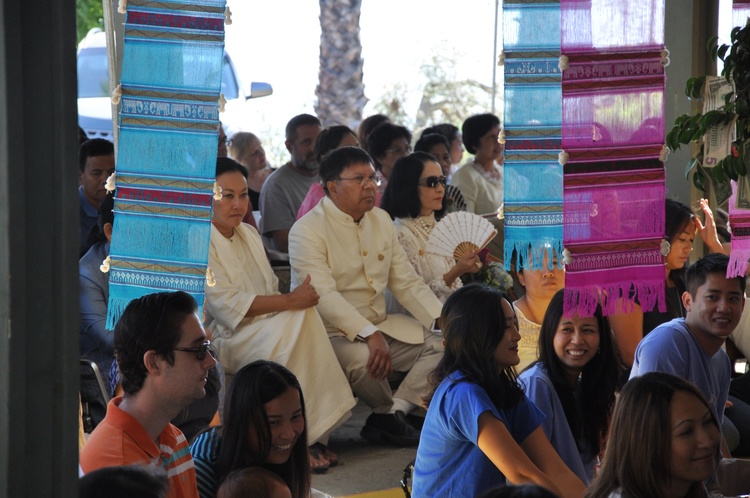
(416, 361)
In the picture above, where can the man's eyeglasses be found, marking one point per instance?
(200, 352)
(433, 181)
(363, 180)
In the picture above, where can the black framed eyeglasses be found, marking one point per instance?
(200, 352)
(434, 181)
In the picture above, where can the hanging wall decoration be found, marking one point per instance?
(169, 97)
(533, 190)
(613, 137)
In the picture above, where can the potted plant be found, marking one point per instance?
(735, 109)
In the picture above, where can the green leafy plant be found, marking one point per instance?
(689, 129)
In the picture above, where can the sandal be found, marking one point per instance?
(326, 453)
(318, 463)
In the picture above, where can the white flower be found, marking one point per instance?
(665, 57)
(210, 279)
(664, 247)
(110, 185)
(562, 158)
(116, 94)
(227, 16)
(664, 154)
(563, 62)
(567, 257)
(105, 265)
(501, 58)
(222, 102)
(217, 192)
(122, 7)
(500, 212)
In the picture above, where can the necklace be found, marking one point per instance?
(421, 226)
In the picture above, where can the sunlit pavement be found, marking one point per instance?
(363, 467)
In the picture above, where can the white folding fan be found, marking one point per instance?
(459, 233)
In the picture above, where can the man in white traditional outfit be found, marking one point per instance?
(352, 253)
(250, 320)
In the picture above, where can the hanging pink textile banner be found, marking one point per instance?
(740, 12)
(612, 138)
(739, 222)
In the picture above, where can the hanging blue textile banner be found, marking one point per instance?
(532, 121)
(170, 88)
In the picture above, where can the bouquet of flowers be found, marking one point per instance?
(492, 274)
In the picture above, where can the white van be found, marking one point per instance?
(94, 94)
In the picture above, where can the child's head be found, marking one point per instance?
(481, 341)
(664, 439)
(253, 481)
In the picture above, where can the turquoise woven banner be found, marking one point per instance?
(169, 116)
(533, 120)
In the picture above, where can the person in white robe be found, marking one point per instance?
(249, 319)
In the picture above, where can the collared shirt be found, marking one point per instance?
(120, 440)
(88, 216)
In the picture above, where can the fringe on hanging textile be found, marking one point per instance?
(615, 298)
(116, 305)
(538, 249)
(738, 259)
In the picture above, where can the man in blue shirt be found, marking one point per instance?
(691, 347)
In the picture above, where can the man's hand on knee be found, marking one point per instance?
(379, 362)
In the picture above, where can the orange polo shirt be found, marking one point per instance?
(120, 440)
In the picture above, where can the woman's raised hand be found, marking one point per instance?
(303, 296)
(707, 231)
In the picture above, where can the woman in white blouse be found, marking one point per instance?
(481, 179)
(415, 200)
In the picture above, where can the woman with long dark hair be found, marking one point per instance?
(416, 200)
(574, 383)
(264, 426)
(664, 441)
(681, 226)
(481, 429)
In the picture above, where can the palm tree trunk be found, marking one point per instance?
(340, 90)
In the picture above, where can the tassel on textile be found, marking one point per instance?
(109, 186)
(210, 278)
(665, 57)
(104, 268)
(117, 95)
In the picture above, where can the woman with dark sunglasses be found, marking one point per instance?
(415, 199)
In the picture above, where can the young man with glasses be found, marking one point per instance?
(349, 249)
(164, 359)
